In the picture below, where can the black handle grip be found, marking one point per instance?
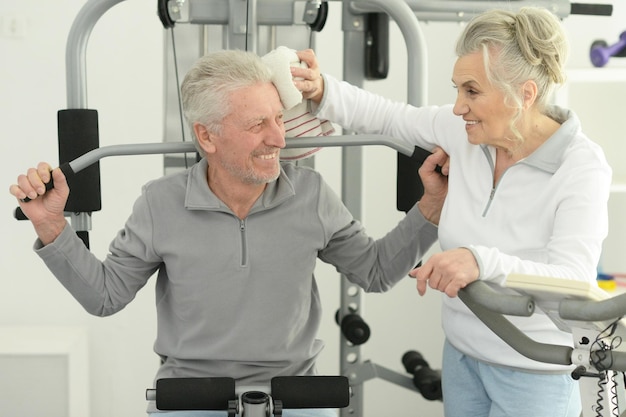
(194, 393)
(49, 186)
(67, 171)
(592, 9)
(311, 391)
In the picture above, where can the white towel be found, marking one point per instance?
(298, 119)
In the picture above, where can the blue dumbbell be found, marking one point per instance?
(601, 52)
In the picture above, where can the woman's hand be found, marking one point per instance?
(447, 272)
(309, 80)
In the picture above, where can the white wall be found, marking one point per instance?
(125, 68)
(125, 85)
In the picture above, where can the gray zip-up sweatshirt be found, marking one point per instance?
(235, 297)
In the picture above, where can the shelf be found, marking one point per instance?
(618, 187)
(613, 74)
(585, 76)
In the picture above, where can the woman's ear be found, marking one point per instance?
(529, 93)
(205, 138)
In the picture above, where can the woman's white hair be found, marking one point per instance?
(519, 46)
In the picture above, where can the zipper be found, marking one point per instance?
(244, 243)
(493, 170)
(495, 187)
(491, 194)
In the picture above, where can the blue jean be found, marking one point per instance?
(474, 388)
(322, 412)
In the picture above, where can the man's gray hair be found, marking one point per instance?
(209, 83)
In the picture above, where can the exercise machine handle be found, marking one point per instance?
(591, 9)
(512, 304)
(586, 310)
(219, 393)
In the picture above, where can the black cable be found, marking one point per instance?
(605, 344)
(247, 23)
(604, 349)
(613, 400)
(310, 37)
(601, 387)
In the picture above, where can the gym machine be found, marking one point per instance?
(365, 41)
(593, 317)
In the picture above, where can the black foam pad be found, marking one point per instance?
(78, 134)
(409, 187)
(194, 393)
(311, 391)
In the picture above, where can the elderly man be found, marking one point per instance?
(233, 240)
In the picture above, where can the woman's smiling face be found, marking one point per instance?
(480, 104)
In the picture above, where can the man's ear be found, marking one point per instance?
(529, 93)
(205, 138)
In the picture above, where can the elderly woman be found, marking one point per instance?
(527, 194)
